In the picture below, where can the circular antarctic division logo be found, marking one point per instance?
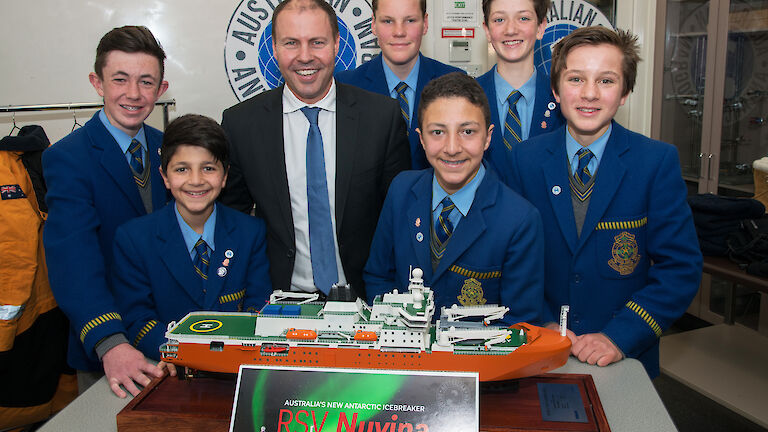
(564, 17)
(248, 57)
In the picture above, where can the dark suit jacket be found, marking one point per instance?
(91, 192)
(370, 76)
(371, 148)
(155, 281)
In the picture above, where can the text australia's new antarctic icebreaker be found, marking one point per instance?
(295, 329)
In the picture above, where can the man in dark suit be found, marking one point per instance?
(400, 71)
(284, 140)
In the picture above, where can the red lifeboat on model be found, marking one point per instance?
(362, 335)
(301, 334)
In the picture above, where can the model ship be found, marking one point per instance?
(396, 332)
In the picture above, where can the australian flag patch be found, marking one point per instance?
(12, 192)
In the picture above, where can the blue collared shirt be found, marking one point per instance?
(524, 105)
(191, 237)
(412, 80)
(462, 199)
(597, 148)
(122, 138)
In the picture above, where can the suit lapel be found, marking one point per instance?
(555, 170)
(426, 74)
(346, 137)
(175, 255)
(609, 176)
(420, 210)
(272, 159)
(375, 76)
(224, 242)
(113, 161)
(469, 228)
(159, 194)
(539, 122)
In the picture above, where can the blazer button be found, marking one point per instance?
(291, 253)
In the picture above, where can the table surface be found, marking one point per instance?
(628, 397)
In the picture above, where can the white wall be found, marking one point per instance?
(47, 49)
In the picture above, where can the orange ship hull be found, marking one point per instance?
(546, 350)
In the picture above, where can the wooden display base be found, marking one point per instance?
(514, 405)
(205, 404)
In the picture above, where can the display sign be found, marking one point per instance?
(313, 399)
(462, 32)
(460, 13)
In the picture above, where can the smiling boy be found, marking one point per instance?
(447, 220)
(192, 254)
(621, 248)
(98, 177)
(522, 105)
(400, 71)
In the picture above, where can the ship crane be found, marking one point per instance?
(489, 313)
(489, 336)
(303, 298)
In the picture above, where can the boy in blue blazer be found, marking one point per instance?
(476, 241)
(99, 177)
(193, 254)
(621, 248)
(522, 104)
(400, 71)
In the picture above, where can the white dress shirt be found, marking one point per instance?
(295, 130)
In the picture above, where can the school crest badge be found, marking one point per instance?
(472, 293)
(624, 252)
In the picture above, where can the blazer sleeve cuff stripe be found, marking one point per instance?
(143, 332)
(101, 319)
(636, 308)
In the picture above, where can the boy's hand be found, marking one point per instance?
(596, 348)
(125, 365)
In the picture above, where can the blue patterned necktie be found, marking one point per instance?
(443, 228)
(512, 128)
(582, 172)
(582, 176)
(403, 99)
(203, 253)
(322, 251)
(137, 163)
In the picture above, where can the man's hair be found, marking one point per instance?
(540, 6)
(455, 85)
(625, 41)
(306, 5)
(422, 4)
(195, 130)
(130, 39)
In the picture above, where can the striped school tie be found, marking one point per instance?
(512, 128)
(201, 259)
(443, 228)
(404, 107)
(140, 175)
(582, 176)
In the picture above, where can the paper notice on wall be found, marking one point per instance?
(460, 13)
